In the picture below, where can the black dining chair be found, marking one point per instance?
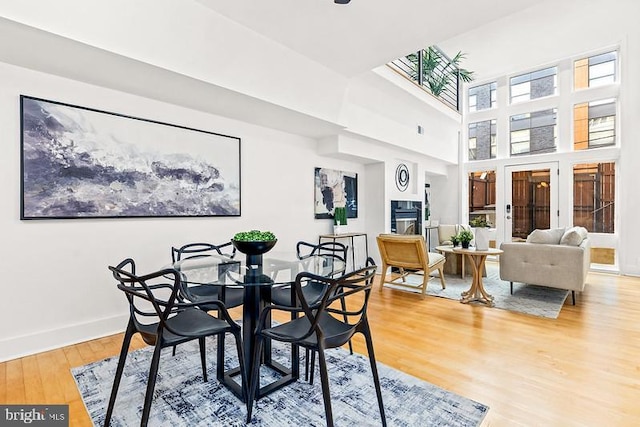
(313, 291)
(322, 326)
(157, 313)
(231, 296)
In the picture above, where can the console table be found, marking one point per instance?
(351, 237)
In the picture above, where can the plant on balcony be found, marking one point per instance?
(438, 71)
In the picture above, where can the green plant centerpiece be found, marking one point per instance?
(254, 242)
(455, 241)
(465, 236)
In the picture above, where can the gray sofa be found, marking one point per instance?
(557, 258)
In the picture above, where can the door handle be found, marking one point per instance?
(508, 216)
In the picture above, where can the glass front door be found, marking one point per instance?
(533, 200)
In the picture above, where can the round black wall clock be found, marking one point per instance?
(402, 177)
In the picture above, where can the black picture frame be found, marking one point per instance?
(332, 185)
(79, 162)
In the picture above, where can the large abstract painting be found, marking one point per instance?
(334, 188)
(83, 163)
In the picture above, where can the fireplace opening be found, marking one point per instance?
(406, 217)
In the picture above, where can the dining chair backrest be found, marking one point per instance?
(338, 289)
(197, 250)
(152, 297)
(305, 249)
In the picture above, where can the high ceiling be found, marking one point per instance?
(364, 34)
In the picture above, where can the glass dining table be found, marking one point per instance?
(256, 276)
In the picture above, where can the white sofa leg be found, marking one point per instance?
(573, 297)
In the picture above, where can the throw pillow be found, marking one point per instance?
(574, 236)
(551, 236)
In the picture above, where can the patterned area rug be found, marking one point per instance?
(182, 398)
(528, 299)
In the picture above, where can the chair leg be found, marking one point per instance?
(255, 376)
(441, 271)
(511, 286)
(203, 358)
(151, 384)
(374, 371)
(116, 380)
(173, 353)
(383, 277)
(243, 376)
(220, 357)
(425, 281)
(573, 297)
(313, 365)
(343, 305)
(326, 393)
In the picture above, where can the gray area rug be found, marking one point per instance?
(528, 299)
(182, 398)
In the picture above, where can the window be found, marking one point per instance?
(533, 133)
(482, 196)
(595, 71)
(594, 124)
(594, 196)
(482, 97)
(533, 85)
(482, 140)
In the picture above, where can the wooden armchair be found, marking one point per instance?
(408, 254)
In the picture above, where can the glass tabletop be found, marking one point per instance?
(276, 268)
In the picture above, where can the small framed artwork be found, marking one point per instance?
(80, 162)
(335, 188)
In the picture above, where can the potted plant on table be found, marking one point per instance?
(481, 231)
(465, 237)
(339, 219)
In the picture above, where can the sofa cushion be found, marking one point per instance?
(551, 236)
(574, 236)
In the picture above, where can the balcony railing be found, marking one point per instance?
(435, 72)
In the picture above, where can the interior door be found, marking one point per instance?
(531, 199)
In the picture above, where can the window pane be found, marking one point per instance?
(482, 97)
(473, 100)
(594, 196)
(596, 70)
(533, 132)
(533, 85)
(481, 140)
(594, 124)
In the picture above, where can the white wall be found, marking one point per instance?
(192, 40)
(57, 287)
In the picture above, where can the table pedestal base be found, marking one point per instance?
(476, 292)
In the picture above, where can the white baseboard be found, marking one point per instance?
(25, 345)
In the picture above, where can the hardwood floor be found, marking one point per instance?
(581, 369)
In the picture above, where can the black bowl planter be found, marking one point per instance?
(254, 247)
